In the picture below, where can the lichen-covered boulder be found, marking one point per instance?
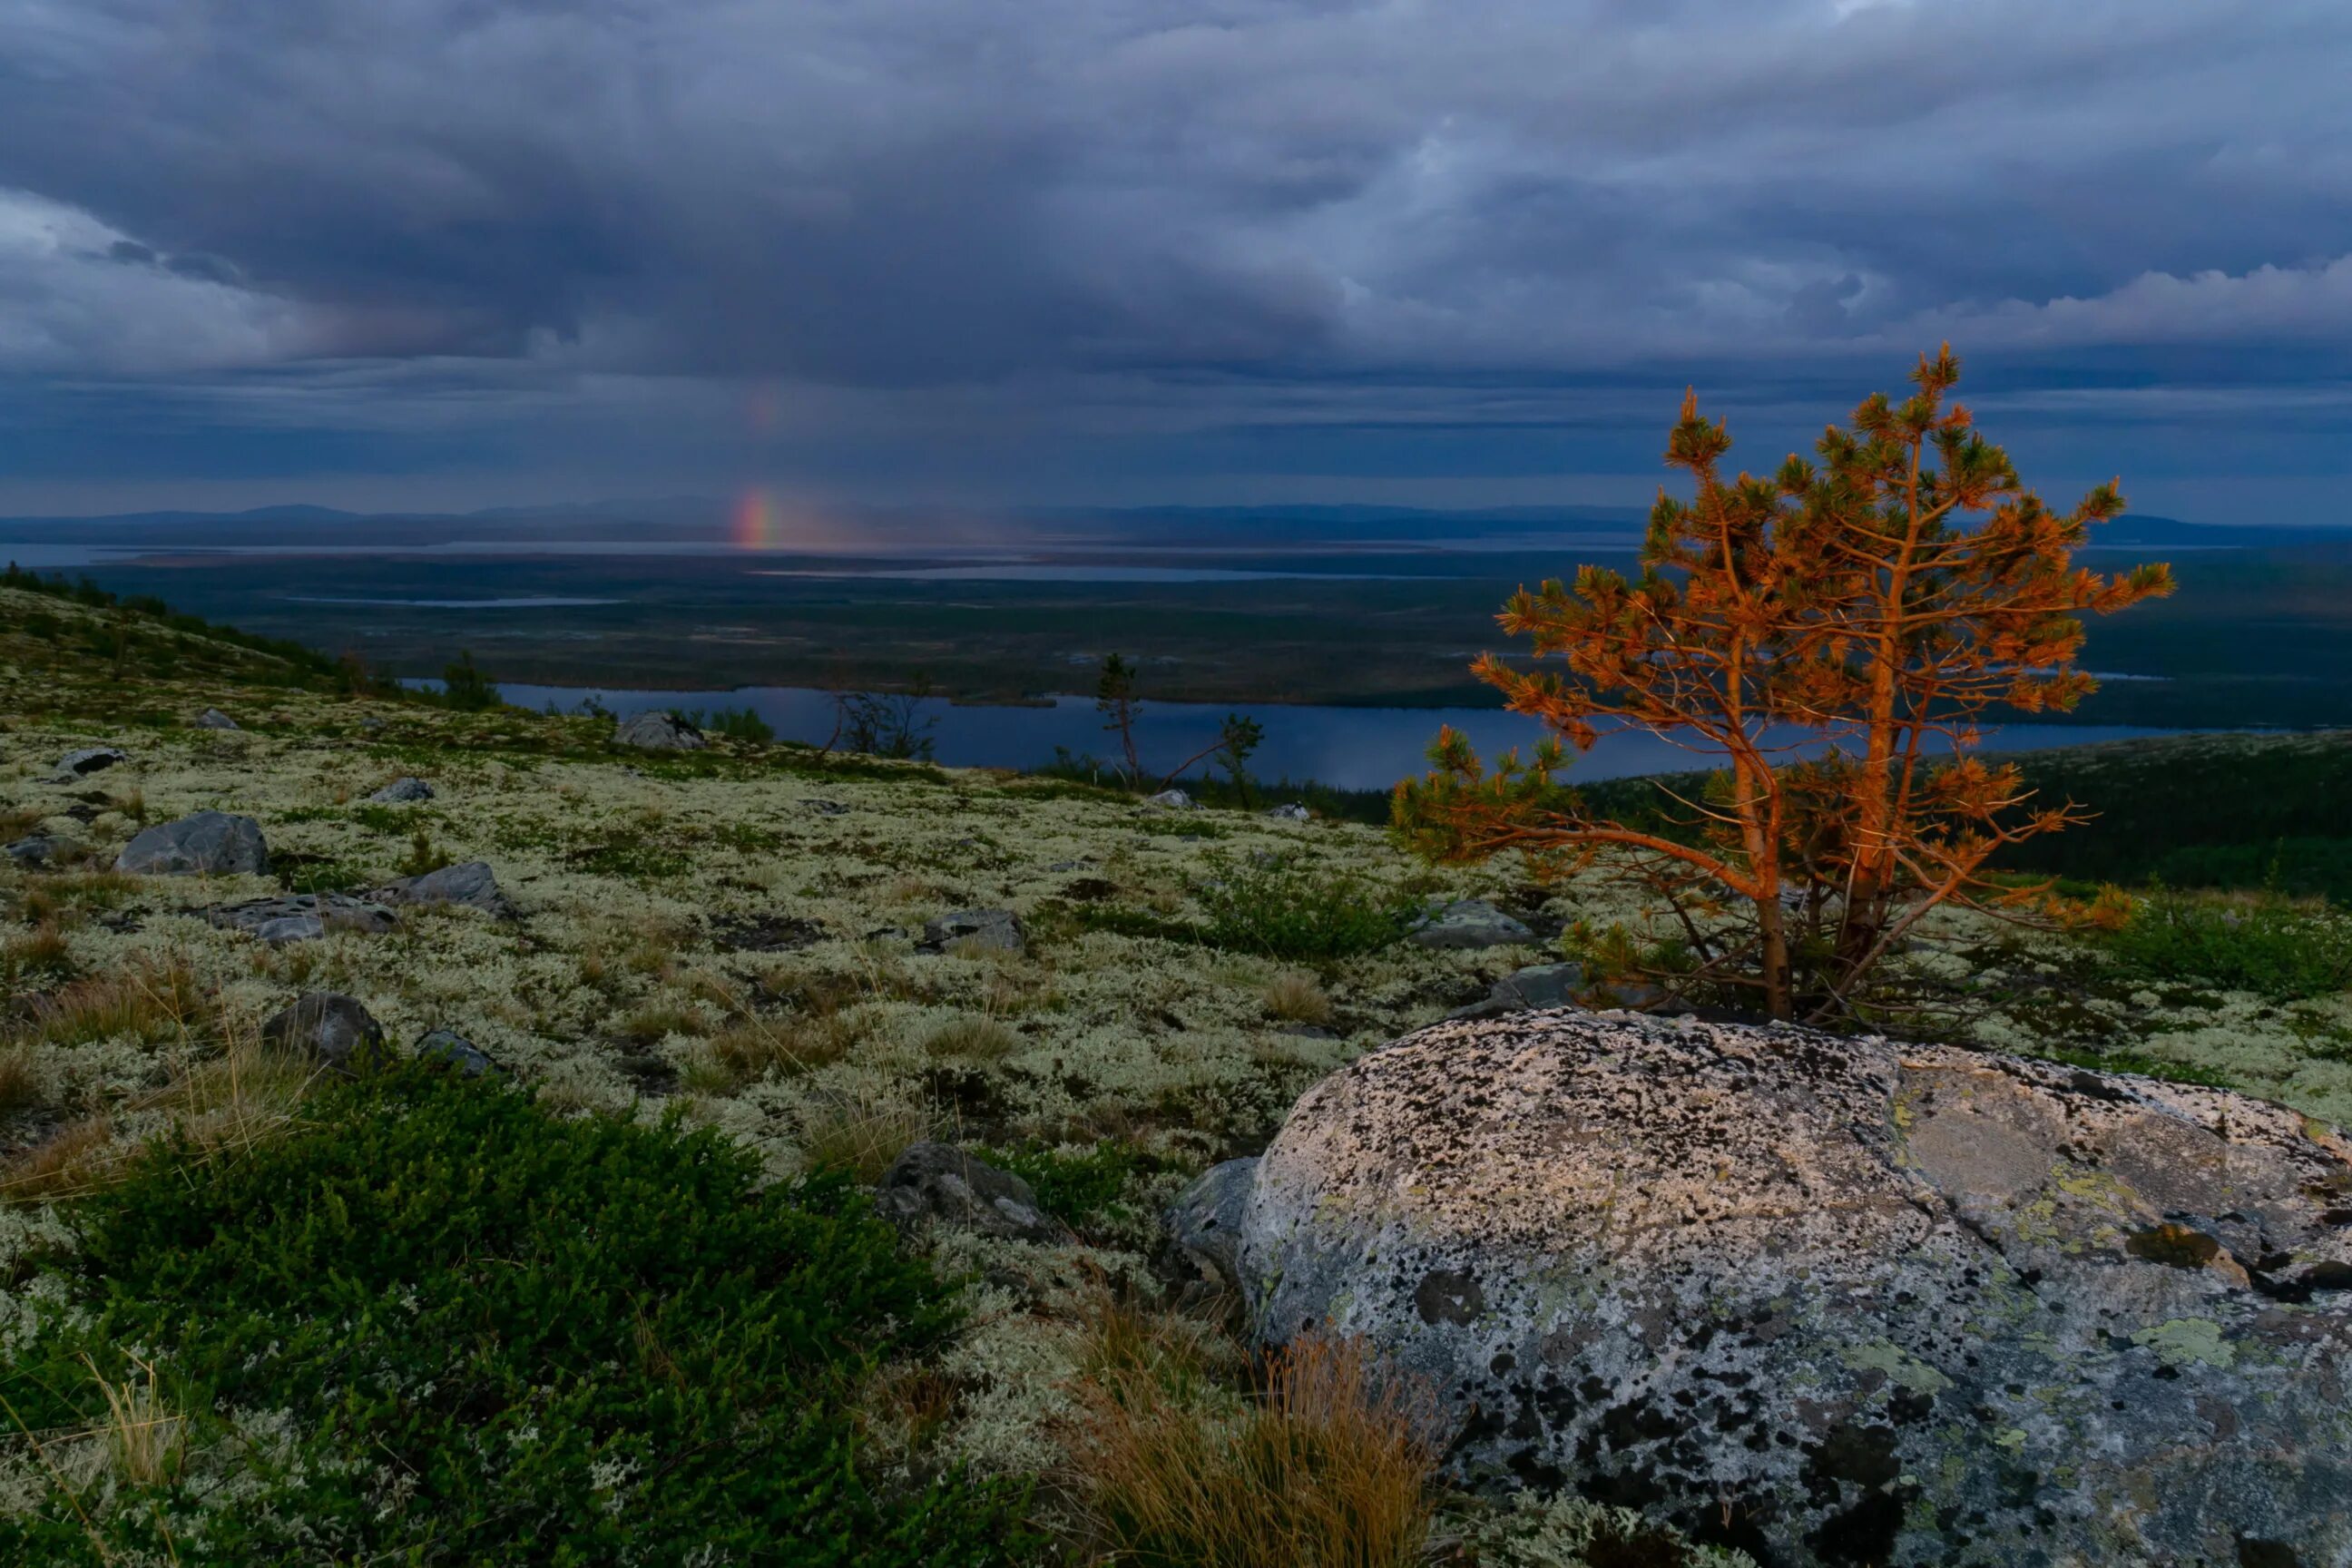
(214, 718)
(32, 852)
(451, 1051)
(1838, 1300)
(302, 917)
(1471, 923)
(90, 760)
(940, 1183)
(656, 730)
(1203, 1225)
(402, 790)
(331, 1028)
(209, 844)
(1171, 800)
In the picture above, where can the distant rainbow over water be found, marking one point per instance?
(759, 521)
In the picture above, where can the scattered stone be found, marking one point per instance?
(302, 917)
(1471, 923)
(656, 730)
(1536, 986)
(88, 760)
(209, 844)
(452, 1050)
(214, 718)
(1090, 889)
(374, 724)
(1308, 1032)
(1292, 813)
(1832, 1296)
(1171, 800)
(767, 933)
(827, 807)
(996, 930)
(330, 1027)
(33, 851)
(941, 1184)
(471, 883)
(1205, 1226)
(402, 790)
(1080, 864)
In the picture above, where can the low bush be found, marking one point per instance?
(1075, 1184)
(500, 1338)
(1294, 911)
(732, 724)
(2270, 946)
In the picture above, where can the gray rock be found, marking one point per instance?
(1526, 990)
(1170, 800)
(374, 724)
(940, 1183)
(450, 1049)
(827, 807)
(470, 882)
(1471, 923)
(1205, 1226)
(999, 930)
(33, 851)
(1845, 1300)
(301, 917)
(1293, 812)
(329, 1028)
(214, 718)
(209, 844)
(90, 760)
(659, 731)
(402, 790)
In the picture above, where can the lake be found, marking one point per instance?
(1351, 748)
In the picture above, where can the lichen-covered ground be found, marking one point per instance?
(732, 937)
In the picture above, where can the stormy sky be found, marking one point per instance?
(451, 253)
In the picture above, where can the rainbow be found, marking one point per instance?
(759, 521)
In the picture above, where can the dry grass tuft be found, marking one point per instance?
(973, 1039)
(20, 1080)
(657, 1021)
(151, 998)
(862, 1132)
(1297, 998)
(1329, 1467)
(41, 953)
(73, 1160)
(143, 1434)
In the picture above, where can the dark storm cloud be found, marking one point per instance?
(1133, 219)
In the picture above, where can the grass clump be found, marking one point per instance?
(1287, 911)
(501, 1338)
(1329, 1468)
(972, 1038)
(1297, 998)
(2276, 947)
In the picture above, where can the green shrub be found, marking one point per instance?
(1292, 911)
(733, 724)
(1077, 1186)
(2271, 946)
(503, 1338)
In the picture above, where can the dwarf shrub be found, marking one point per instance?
(2269, 946)
(503, 1338)
(1292, 911)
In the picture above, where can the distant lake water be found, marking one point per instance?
(1351, 748)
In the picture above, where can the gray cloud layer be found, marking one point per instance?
(1142, 217)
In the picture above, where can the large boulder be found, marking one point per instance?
(331, 1028)
(470, 882)
(1470, 923)
(1838, 1300)
(656, 730)
(1203, 1225)
(209, 844)
(940, 1183)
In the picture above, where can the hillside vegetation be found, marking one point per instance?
(713, 984)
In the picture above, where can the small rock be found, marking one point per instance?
(1471, 923)
(1205, 1226)
(766, 933)
(90, 760)
(1171, 800)
(452, 1050)
(302, 917)
(209, 844)
(1293, 812)
(470, 883)
(656, 730)
(34, 851)
(827, 807)
(996, 930)
(402, 790)
(938, 1183)
(1539, 985)
(214, 718)
(1081, 863)
(374, 724)
(329, 1026)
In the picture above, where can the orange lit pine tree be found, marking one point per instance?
(1881, 599)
